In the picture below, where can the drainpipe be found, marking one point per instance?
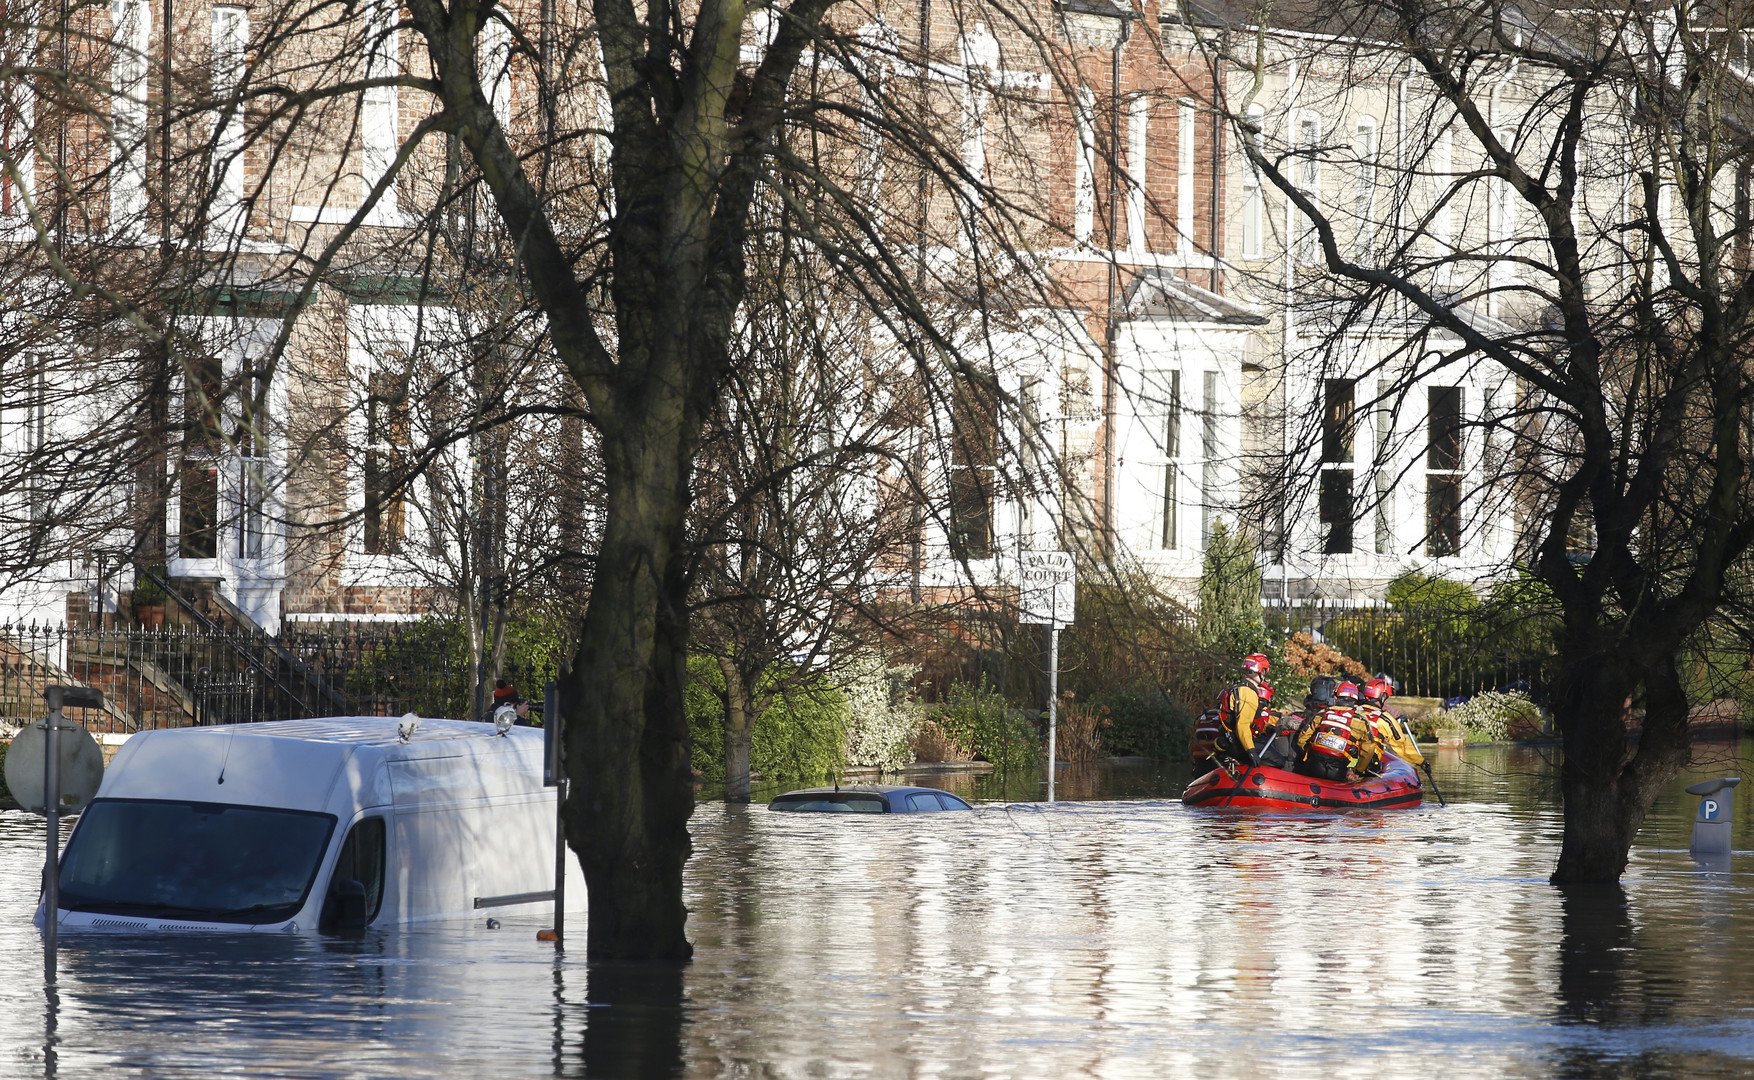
(1111, 330)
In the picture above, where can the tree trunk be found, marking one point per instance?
(629, 825)
(1610, 777)
(739, 729)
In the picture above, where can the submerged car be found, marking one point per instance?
(868, 799)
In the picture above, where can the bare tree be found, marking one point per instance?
(1554, 222)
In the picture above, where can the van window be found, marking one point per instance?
(362, 860)
(205, 862)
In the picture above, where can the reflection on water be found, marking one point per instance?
(1110, 937)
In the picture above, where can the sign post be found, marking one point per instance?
(1047, 590)
(68, 773)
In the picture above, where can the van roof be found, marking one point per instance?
(305, 764)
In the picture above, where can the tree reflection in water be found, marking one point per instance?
(633, 1021)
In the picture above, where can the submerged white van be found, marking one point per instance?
(328, 825)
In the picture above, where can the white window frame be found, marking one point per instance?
(1254, 209)
(131, 38)
(229, 37)
(1365, 147)
(1308, 248)
(1084, 166)
(1138, 155)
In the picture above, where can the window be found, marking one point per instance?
(386, 463)
(1084, 166)
(1444, 428)
(231, 33)
(1138, 134)
(1209, 479)
(251, 441)
(1336, 511)
(974, 435)
(1166, 388)
(496, 68)
(18, 53)
(1184, 183)
(1443, 218)
(1385, 519)
(198, 471)
(1253, 197)
(1503, 223)
(131, 39)
(1443, 464)
(1364, 184)
(1309, 182)
(362, 860)
(1337, 420)
(24, 432)
(377, 121)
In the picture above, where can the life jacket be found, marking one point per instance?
(1206, 731)
(1231, 702)
(1380, 724)
(1207, 727)
(1333, 736)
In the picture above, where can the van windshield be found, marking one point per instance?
(206, 862)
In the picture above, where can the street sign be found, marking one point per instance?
(1047, 586)
(80, 765)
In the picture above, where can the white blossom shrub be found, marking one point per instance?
(1492, 716)
(882, 714)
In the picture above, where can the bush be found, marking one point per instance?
(1496, 717)
(1079, 729)
(933, 745)
(796, 737)
(978, 717)
(1144, 721)
(1302, 659)
(882, 714)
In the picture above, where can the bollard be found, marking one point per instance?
(1711, 828)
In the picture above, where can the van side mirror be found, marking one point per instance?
(344, 909)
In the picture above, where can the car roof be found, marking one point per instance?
(866, 789)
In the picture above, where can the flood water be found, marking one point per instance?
(1104, 937)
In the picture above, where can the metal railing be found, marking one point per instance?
(203, 673)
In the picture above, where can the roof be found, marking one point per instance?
(323, 763)
(1159, 294)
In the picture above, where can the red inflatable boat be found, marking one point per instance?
(1266, 788)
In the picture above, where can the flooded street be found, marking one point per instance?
(1109, 937)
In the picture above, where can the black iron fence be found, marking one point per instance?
(181, 675)
(1433, 652)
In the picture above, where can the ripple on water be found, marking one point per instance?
(1118, 938)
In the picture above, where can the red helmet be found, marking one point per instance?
(1265, 693)
(1257, 663)
(1346, 690)
(1377, 690)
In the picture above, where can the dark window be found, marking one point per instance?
(362, 860)
(974, 451)
(1172, 449)
(1444, 428)
(204, 862)
(251, 441)
(951, 802)
(838, 802)
(1443, 513)
(923, 802)
(386, 463)
(1337, 420)
(198, 474)
(1336, 512)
